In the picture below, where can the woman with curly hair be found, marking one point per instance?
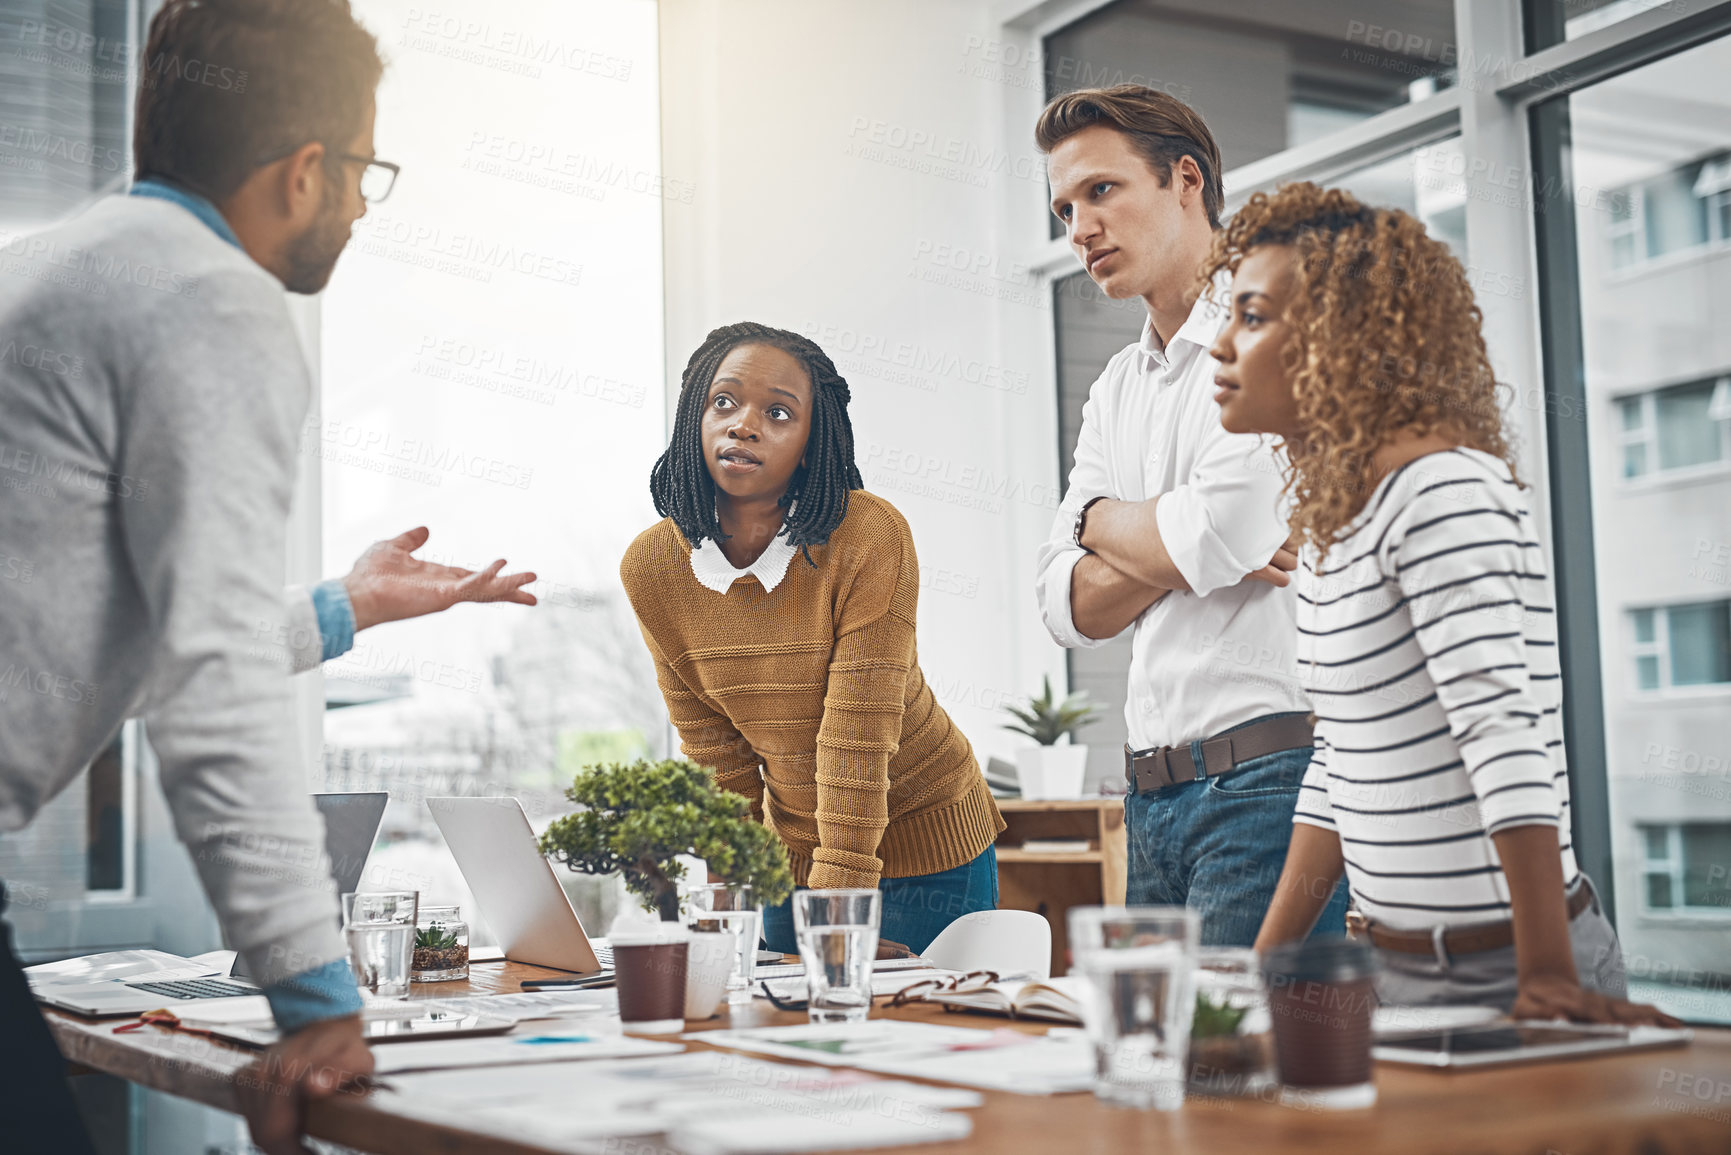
(1427, 635)
(777, 598)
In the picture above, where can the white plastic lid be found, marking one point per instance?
(646, 933)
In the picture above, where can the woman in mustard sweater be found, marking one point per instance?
(777, 599)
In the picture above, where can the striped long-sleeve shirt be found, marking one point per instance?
(1428, 643)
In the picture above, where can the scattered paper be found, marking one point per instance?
(531, 1046)
(133, 966)
(222, 1012)
(1002, 1060)
(528, 1005)
(704, 1103)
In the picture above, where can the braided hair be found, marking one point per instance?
(816, 497)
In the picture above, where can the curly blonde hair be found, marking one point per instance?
(1385, 339)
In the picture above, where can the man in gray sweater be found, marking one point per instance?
(154, 394)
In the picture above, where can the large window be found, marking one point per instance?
(65, 90)
(491, 347)
(1266, 77)
(1640, 430)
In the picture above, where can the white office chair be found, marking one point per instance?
(1006, 941)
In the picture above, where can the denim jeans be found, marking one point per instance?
(914, 909)
(1486, 978)
(1217, 845)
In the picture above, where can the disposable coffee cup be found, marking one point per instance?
(649, 964)
(1320, 997)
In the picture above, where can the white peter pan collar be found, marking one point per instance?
(713, 571)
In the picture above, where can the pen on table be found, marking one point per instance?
(576, 984)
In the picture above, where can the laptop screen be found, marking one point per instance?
(351, 825)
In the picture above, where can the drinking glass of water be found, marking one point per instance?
(380, 928)
(725, 906)
(1139, 994)
(838, 939)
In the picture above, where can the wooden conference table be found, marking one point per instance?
(1655, 1103)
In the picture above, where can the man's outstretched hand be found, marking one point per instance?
(389, 583)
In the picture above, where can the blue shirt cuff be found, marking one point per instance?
(326, 992)
(336, 618)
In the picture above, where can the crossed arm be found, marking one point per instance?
(1128, 568)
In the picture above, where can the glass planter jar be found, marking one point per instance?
(1231, 1037)
(441, 945)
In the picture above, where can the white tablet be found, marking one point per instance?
(1505, 1043)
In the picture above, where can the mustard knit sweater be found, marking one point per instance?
(814, 692)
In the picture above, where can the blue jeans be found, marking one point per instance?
(914, 909)
(1218, 846)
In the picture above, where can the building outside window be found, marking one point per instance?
(1682, 209)
(1678, 428)
(1644, 168)
(1687, 868)
(1680, 646)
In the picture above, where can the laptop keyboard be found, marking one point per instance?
(196, 989)
(603, 954)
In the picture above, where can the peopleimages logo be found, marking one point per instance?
(49, 685)
(56, 472)
(40, 357)
(42, 258)
(418, 460)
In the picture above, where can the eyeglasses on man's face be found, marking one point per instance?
(378, 177)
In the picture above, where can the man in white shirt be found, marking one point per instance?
(1175, 527)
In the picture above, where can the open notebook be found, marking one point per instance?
(1056, 1000)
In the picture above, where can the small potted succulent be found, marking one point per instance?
(1049, 770)
(441, 950)
(635, 820)
(1231, 1044)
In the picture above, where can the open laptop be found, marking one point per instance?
(522, 901)
(131, 982)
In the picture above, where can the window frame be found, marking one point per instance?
(1674, 868)
(127, 891)
(1656, 476)
(1660, 647)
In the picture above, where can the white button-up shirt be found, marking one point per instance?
(1221, 653)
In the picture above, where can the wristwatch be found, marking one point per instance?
(1082, 519)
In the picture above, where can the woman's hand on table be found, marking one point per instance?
(315, 1062)
(889, 949)
(1561, 997)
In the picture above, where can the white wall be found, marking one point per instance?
(851, 167)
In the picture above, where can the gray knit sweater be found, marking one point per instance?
(152, 394)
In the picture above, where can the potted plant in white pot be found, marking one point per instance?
(1049, 770)
(637, 819)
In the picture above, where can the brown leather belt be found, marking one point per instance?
(1461, 939)
(1163, 766)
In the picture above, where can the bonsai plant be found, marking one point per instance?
(1049, 770)
(637, 817)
